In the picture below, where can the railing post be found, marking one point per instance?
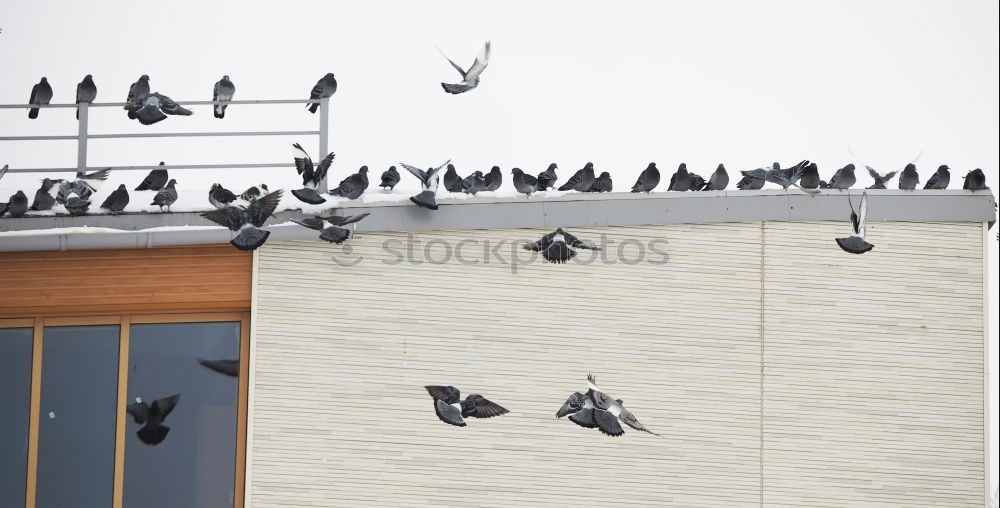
(81, 137)
(324, 133)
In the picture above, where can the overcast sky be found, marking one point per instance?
(617, 83)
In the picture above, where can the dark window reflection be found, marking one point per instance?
(76, 441)
(15, 403)
(187, 457)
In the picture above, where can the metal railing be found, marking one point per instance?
(83, 135)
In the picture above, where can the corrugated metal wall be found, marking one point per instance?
(341, 354)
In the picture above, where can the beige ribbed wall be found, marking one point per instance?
(341, 354)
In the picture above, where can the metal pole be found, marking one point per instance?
(324, 133)
(81, 137)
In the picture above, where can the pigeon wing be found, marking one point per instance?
(584, 418)
(265, 207)
(480, 64)
(230, 217)
(165, 405)
(417, 172)
(482, 408)
(448, 394)
(324, 166)
(453, 64)
(607, 423)
(338, 220)
(874, 174)
(630, 420)
(542, 243)
(311, 223)
(576, 242)
(303, 163)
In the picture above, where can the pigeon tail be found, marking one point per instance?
(307, 195)
(558, 253)
(219, 111)
(455, 89)
(854, 245)
(153, 434)
(33, 113)
(334, 234)
(313, 107)
(250, 238)
(425, 199)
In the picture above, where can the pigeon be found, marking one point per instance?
(556, 247)
(17, 206)
(353, 186)
(580, 409)
(680, 181)
(429, 182)
(223, 91)
(253, 192)
(229, 368)
(880, 180)
(325, 87)
(41, 94)
(474, 183)
(602, 183)
(750, 181)
(84, 185)
(493, 179)
(154, 107)
(909, 178)
(3, 208)
(155, 180)
(809, 178)
(547, 178)
(940, 179)
(599, 409)
(152, 415)
(843, 179)
(648, 179)
(524, 183)
(166, 196)
(45, 197)
(697, 182)
(138, 89)
(452, 182)
(86, 91)
(581, 180)
(390, 178)
(856, 244)
(219, 196)
(247, 220)
(790, 174)
(451, 409)
(333, 233)
(311, 177)
(975, 180)
(76, 205)
(470, 78)
(774, 175)
(718, 181)
(117, 200)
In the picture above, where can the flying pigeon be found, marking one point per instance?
(602, 183)
(166, 196)
(909, 178)
(219, 196)
(325, 87)
(451, 181)
(648, 179)
(253, 192)
(311, 177)
(940, 179)
(451, 409)
(599, 409)
(117, 200)
(390, 178)
(718, 181)
(333, 233)
(223, 91)
(470, 78)
(86, 91)
(843, 179)
(547, 179)
(229, 368)
(247, 220)
(45, 196)
(524, 183)
(138, 89)
(750, 182)
(474, 183)
(680, 181)
(975, 180)
(880, 180)
(353, 186)
(76, 205)
(809, 178)
(155, 180)
(493, 179)
(581, 180)
(856, 244)
(429, 182)
(154, 107)
(556, 247)
(84, 185)
(789, 175)
(17, 206)
(152, 415)
(41, 94)
(774, 175)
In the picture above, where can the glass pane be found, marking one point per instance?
(188, 457)
(15, 401)
(76, 440)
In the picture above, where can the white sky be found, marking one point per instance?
(616, 83)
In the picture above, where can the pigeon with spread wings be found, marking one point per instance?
(333, 233)
(311, 176)
(247, 220)
(470, 78)
(451, 409)
(556, 247)
(599, 409)
(880, 180)
(429, 181)
(856, 244)
(151, 417)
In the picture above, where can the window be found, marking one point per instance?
(15, 398)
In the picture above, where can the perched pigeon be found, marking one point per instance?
(353, 186)
(697, 182)
(856, 244)
(41, 94)
(547, 179)
(880, 180)
(229, 368)
(333, 233)
(718, 181)
(253, 192)
(429, 181)
(470, 78)
(451, 409)
(680, 181)
(474, 183)
(493, 179)
(117, 200)
(152, 415)
(84, 185)
(76, 205)
(773, 175)
(219, 196)
(223, 91)
(581, 180)
(524, 183)
(975, 180)
(86, 91)
(648, 179)
(247, 220)
(940, 179)
(154, 107)
(602, 183)
(791, 174)
(325, 87)
(909, 178)
(3, 208)
(750, 181)
(17, 206)
(556, 247)
(843, 179)
(599, 409)
(390, 178)
(311, 177)
(451, 181)
(138, 89)
(155, 180)
(809, 178)
(45, 196)
(166, 196)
